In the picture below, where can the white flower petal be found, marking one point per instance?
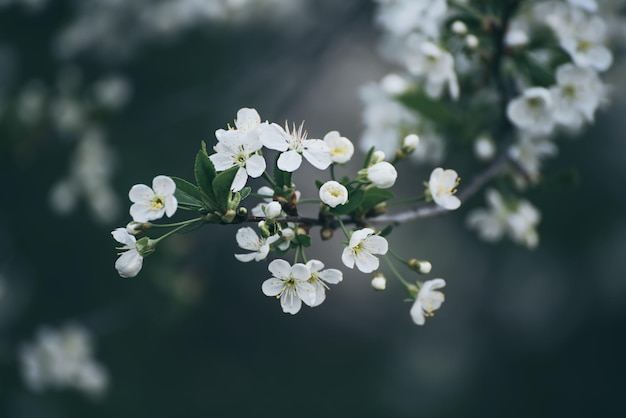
(248, 239)
(290, 302)
(317, 153)
(255, 166)
(272, 287)
(375, 244)
(122, 236)
(129, 264)
(239, 182)
(332, 276)
(141, 212)
(171, 204)
(289, 161)
(306, 292)
(140, 193)
(222, 161)
(366, 262)
(280, 268)
(246, 257)
(347, 257)
(315, 265)
(274, 137)
(163, 186)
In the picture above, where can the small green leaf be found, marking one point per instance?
(375, 196)
(386, 231)
(318, 184)
(368, 158)
(187, 194)
(304, 240)
(245, 192)
(355, 200)
(204, 172)
(221, 187)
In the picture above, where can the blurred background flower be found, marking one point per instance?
(96, 96)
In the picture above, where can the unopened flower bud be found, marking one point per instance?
(326, 233)
(333, 193)
(459, 27)
(267, 229)
(377, 156)
(135, 228)
(241, 211)
(273, 210)
(471, 41)
(383, 175)
(409, 143)
(419, 266)
(301, 231)
(484, 148)
(379, 282)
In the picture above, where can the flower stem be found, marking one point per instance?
(187, 222)
(397, 257)
(173, 231)
(304, 260)
(395, 271)
(343, 228)
(295, 256)
(332, 171)
(269, 180)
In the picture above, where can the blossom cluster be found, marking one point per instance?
(62, 359)
(239, 157)
(542, 64)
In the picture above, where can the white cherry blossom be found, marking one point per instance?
(434, 64)
(382, 174)
(290, 285)
(361, 249)
(130, 261)
(517, 219)
(533, 111)
(522, 224)
(248, 239)
(576, 96)
(293, 145)
(442, 186)
(319, 279)
(235, 148)
(586, 44)
(529, 152)
(340, 147)
(333, 193)
(62, 358)
(428, 299)
(150, 204)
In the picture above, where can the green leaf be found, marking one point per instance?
(368, 157)
(318, 184)
(204, 171)
(245, 192)
(354, 202)
(386, 231)
(304, 240)
(187, 194)
(375, 196)
(221, 187)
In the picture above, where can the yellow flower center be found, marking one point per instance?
(157, 203)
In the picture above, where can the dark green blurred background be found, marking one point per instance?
(522, 333)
